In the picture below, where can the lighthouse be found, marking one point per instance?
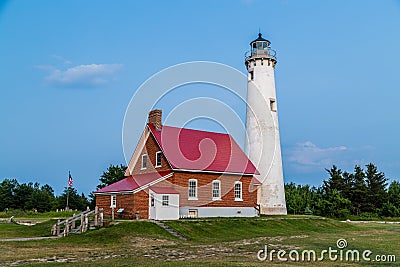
(263, 141)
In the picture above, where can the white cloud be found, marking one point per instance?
(82, 75)
(308, 156)
(307, 160)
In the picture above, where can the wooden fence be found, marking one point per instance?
(79, 223)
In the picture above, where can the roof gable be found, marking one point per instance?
(187, 149)
(147, 145)
(136, 154)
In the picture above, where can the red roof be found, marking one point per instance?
(188, 149)
(163, 190)
(132, 183)
(255, 181)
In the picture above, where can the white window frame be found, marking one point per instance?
(113, 203)
(144, 162)
(195, 197)
(158, 153)
(241, 191)
(165, 200)
(214, 196)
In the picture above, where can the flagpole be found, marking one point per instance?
(69, 175)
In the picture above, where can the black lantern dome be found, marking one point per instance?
(260, 40)
(260, 48)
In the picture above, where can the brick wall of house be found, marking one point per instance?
(151, 148)
(141, 200)
(131, 203)
(123, 201)
(180, 182)
(103, 202)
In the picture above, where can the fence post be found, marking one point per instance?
(96, 216)
(58, 227)
(86, 222)
(101, 217)
(66, 231)
(82, 222)
(53, 229)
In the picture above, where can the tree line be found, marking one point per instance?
(32, 196)
(363, 192)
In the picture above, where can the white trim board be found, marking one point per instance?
(204, 212)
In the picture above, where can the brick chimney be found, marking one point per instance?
(155, 117)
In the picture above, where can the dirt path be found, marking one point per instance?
(28, 238)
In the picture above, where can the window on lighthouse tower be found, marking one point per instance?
(272, 104)
(251, 75)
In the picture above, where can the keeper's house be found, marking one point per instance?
(178, 172)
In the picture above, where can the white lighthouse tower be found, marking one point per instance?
(263, 142)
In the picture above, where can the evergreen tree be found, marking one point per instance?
(92, 201)
(301, 198)
(394, 194)
(48, 189)
(335, 181)
(294, 202)
(389, 210)
(7, 191)
(376, 186)
(359, 192)
(317, 201)
(347, 184)
(23, 194)
(335, 205)
(85, 201)
(42, 198)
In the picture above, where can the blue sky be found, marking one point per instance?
(68, 70)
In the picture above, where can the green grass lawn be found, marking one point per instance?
(231, 229)
(13, 230)
(211, 242)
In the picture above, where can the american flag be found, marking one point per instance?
(70, 180)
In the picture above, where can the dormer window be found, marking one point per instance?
(144, 161)
(158, 159)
